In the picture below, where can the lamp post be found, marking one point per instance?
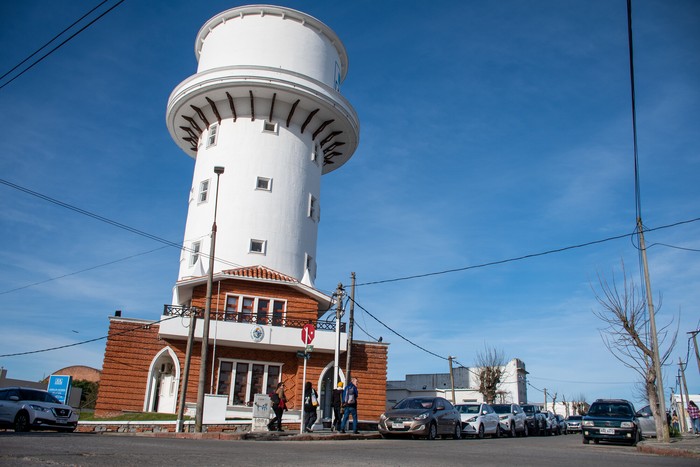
(218, 170)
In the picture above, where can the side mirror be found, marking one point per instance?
(440, 407)
(14, 398)
(483, 413)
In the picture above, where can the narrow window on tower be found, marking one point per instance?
(314, 155)
(194, 252)
(264, 184)
(310, 266)
(258, 246)
(203, 192)
(213, 133)
(313, 207)
(269, 127)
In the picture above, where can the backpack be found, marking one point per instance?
(350, 395)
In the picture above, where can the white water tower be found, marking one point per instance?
(265, 104)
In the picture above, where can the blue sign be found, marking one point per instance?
(59, 387)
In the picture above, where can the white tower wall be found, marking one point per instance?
(267, 86)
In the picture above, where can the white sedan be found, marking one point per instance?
(479, 420)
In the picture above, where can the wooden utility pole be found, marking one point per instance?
(545, 399)
(351, 324)
(695, 344)
(685, 386)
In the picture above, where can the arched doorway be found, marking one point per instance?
(326, 392)
(163, 383)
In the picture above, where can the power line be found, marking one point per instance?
(81, 271)
(528, 256)
(142, 326)
(59, 45)
(53, 39)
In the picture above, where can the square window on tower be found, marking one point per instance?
(194, 252)
(269, 127)
(313, 207)
(258, 246)
(264, 184)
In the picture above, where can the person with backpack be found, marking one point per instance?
(310, 404)
(350, 405)
(278, 400)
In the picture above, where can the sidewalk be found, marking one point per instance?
(685, 446)
(287, 435)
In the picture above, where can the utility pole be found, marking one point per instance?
(545, 399)
(186, 376)
(452, 380)
(338, 314)
(695, 344)
(661, 419)
(351, 323)
(685, 385)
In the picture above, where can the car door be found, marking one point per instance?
(646, 422)
(4, 405)
(490, 418)
(443, 416)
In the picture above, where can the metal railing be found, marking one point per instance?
(251, 318)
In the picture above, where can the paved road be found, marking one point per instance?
(41, 449)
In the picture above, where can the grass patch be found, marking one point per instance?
(132, 417)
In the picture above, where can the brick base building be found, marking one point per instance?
(255, 335)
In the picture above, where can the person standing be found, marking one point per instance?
(279, 404)
(350, 405)
(336, 402)
(694, 415)
(310, 404)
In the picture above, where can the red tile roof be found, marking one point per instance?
(260, 272)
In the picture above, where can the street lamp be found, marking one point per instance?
(218, 170)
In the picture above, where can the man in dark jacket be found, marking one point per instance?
(350, 405)
(336, 402)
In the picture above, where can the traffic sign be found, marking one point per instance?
(304, 355)
(308, 332)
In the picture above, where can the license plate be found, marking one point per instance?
(397, 425)
(62, 421)
(607, 431)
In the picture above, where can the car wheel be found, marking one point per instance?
(67, 430)
(458, 432)
(637, 438)
(432, 431)
(596, 441)
(525, 430)
(22, 421)
(586, 441)
(498, 432)
(512, 430)
(480, 432)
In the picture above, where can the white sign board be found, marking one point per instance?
(261, 412)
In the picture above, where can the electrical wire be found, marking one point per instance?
(142, 326)
(528, 256)
(81, 271)
(53, 39)
(60, 45)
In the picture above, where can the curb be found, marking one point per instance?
(667, 450)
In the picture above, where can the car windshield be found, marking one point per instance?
(37, 396)
(468, 408)
(415, 403)
(501, 408)
(610, 410)
(529, 409)
(574, 418)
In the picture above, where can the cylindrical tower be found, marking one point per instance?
(264, 104)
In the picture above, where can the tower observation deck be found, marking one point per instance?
(265, 104)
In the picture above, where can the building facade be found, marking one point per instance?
(263, 119)
(513, 388)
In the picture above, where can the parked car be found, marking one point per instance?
(562, 424)
(573, 424)
(552, 424)
(27, 409)
(421, 417)
(512, 419)
(611, 420)
(479, 420)
(535, 419)
(646, 422)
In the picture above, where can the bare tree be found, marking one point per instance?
(491, 367)
(579, 405)
(554, 403)
(627, 337)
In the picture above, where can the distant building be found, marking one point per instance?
(263, 120)
(513, 388)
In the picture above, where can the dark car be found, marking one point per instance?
(421, 417)
(573, 424)
(611, 420)
(535, 419)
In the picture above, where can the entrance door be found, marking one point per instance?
(166, 393)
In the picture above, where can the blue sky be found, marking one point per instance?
(489, 131)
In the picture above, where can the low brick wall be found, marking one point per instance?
(158, 427)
